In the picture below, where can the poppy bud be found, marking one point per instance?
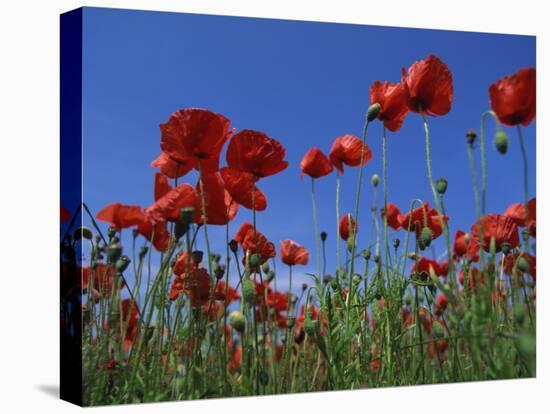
(265, 267)
(323, 236)
(373, 111)
(523, 265)
(467, 238)
(122, 263)
(426, 236)
(234, 246)
(408, 299)
(501, 142)
(135, 233)
(180, 229)
(412, 255)
(438, 331)
(219, 272)
(215, 257)
(376, 258)
(327, 279)
(375, 180)
(249, 290)
(111, 231)
(441, 185)
(396, 243)
(505, 247)
(270, 276)
(197, 256)
(142, 252)
(471, 136)
(187, 215)
(114, 251)
(83, 233)
(311, 326)
(237, 321)
(255, 259)
(334, 283)
(304, 286)
(356, 279)
(366, 254)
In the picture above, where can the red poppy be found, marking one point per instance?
(514, 98)
(392, 215)
(170, 167)
(292, 253)
(256, 153)
(121, 216)
(65, 215)
(315, 164)
(241, 185)
(345, 228)
(391, 98)
(463, 249)
(225, 292)
(347, 150)
(428, 87)
(195, 135)
(441, 303)
(167, 208)
(277, 300)
(183, 264)
(197, 286)
(425, 265)
(236, 357)
(103, 278)
(502, 228)
(510, 261)
(242, 232)
(475, 278)
(130, 315)
(522, 218)
(156, 233)
(162, 186)
(219, 205)
(256, 242)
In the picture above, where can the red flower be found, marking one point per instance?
(277, 300)
(162, 186)
(236, 357)
(425, 265)
(392, 215)
(391, 98)
(242, 232)
(347, 150)
(156, 233)
(102, 279)
(130, 315)
(513, 98)
(197, 286)
(241, 185)
(345, 228)
(428, 87)
(510, 262)
(315, 164)
(65, 215)
(461, 248)
(292, 253)
(167, 208)
(225, 292)
(475, 278)
(195, 135)
(522, 218)
(502, 228)
(220, 207)
(254, 242)
(441, 303)
(255, 153)
(170, 167)
(183, 264)
(416, 219)
(121, 216)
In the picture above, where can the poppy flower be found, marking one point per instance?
(256, 153)
(463, 249)
(441, 303)
(277, 300)
(225, 293)
(475, 278)
(130, 315)
(242, 232)
(167, 207)
(502, 228)
(236, 357)
(426, 265)
(219, 205)
(170, 167)
(102, 278)
(392, 216)
(347, 150)
(345, 228)
(197, 286)
(391, 98)
(241, 185)
(510, 262)
(416, 219)
(65, 215)
(255, 242)
(193, 136)
(121, 216)
(156, 233)
(292, 253)
(523, 217)
(315, 164)
(513, 98)
(428, 87)
(183, 264)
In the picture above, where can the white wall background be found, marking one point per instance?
(29, 212)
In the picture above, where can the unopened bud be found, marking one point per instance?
(111, 231)
(441, 185)
(255, 259)
(426, 236)
(234, 246)
(373, 112)
(375, 180)
(122, 263)
(237, 321)
(471, 136)
(396, 243)
(83, 233)
(323, 236)
(249, 290)
(196, 256)
(114, 251)
(187, 215)
(501, 142)
(265, 267)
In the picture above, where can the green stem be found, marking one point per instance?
(474, 179)
(316, 226)
(525, 170)
(204, 219)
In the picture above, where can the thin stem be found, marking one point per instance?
(316, 226)
(338, 225)
(525, 170)
(474, 179)
(204, 219)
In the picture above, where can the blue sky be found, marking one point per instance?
(302, 83)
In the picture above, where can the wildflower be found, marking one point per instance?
(168, 207)
(172, 168)
(292, 253)
(348, 226)
(513, 98)
(121, 216)
(241, 186)
(523, 218)
(428, 87)
(315, 164)
(502, 229)
(465, 246)
(219, 205)
(393, 109)
(347, 150)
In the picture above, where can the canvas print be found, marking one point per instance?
(255, 206)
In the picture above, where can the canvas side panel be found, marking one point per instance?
(71, 202)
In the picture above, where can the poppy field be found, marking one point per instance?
(417, 301)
